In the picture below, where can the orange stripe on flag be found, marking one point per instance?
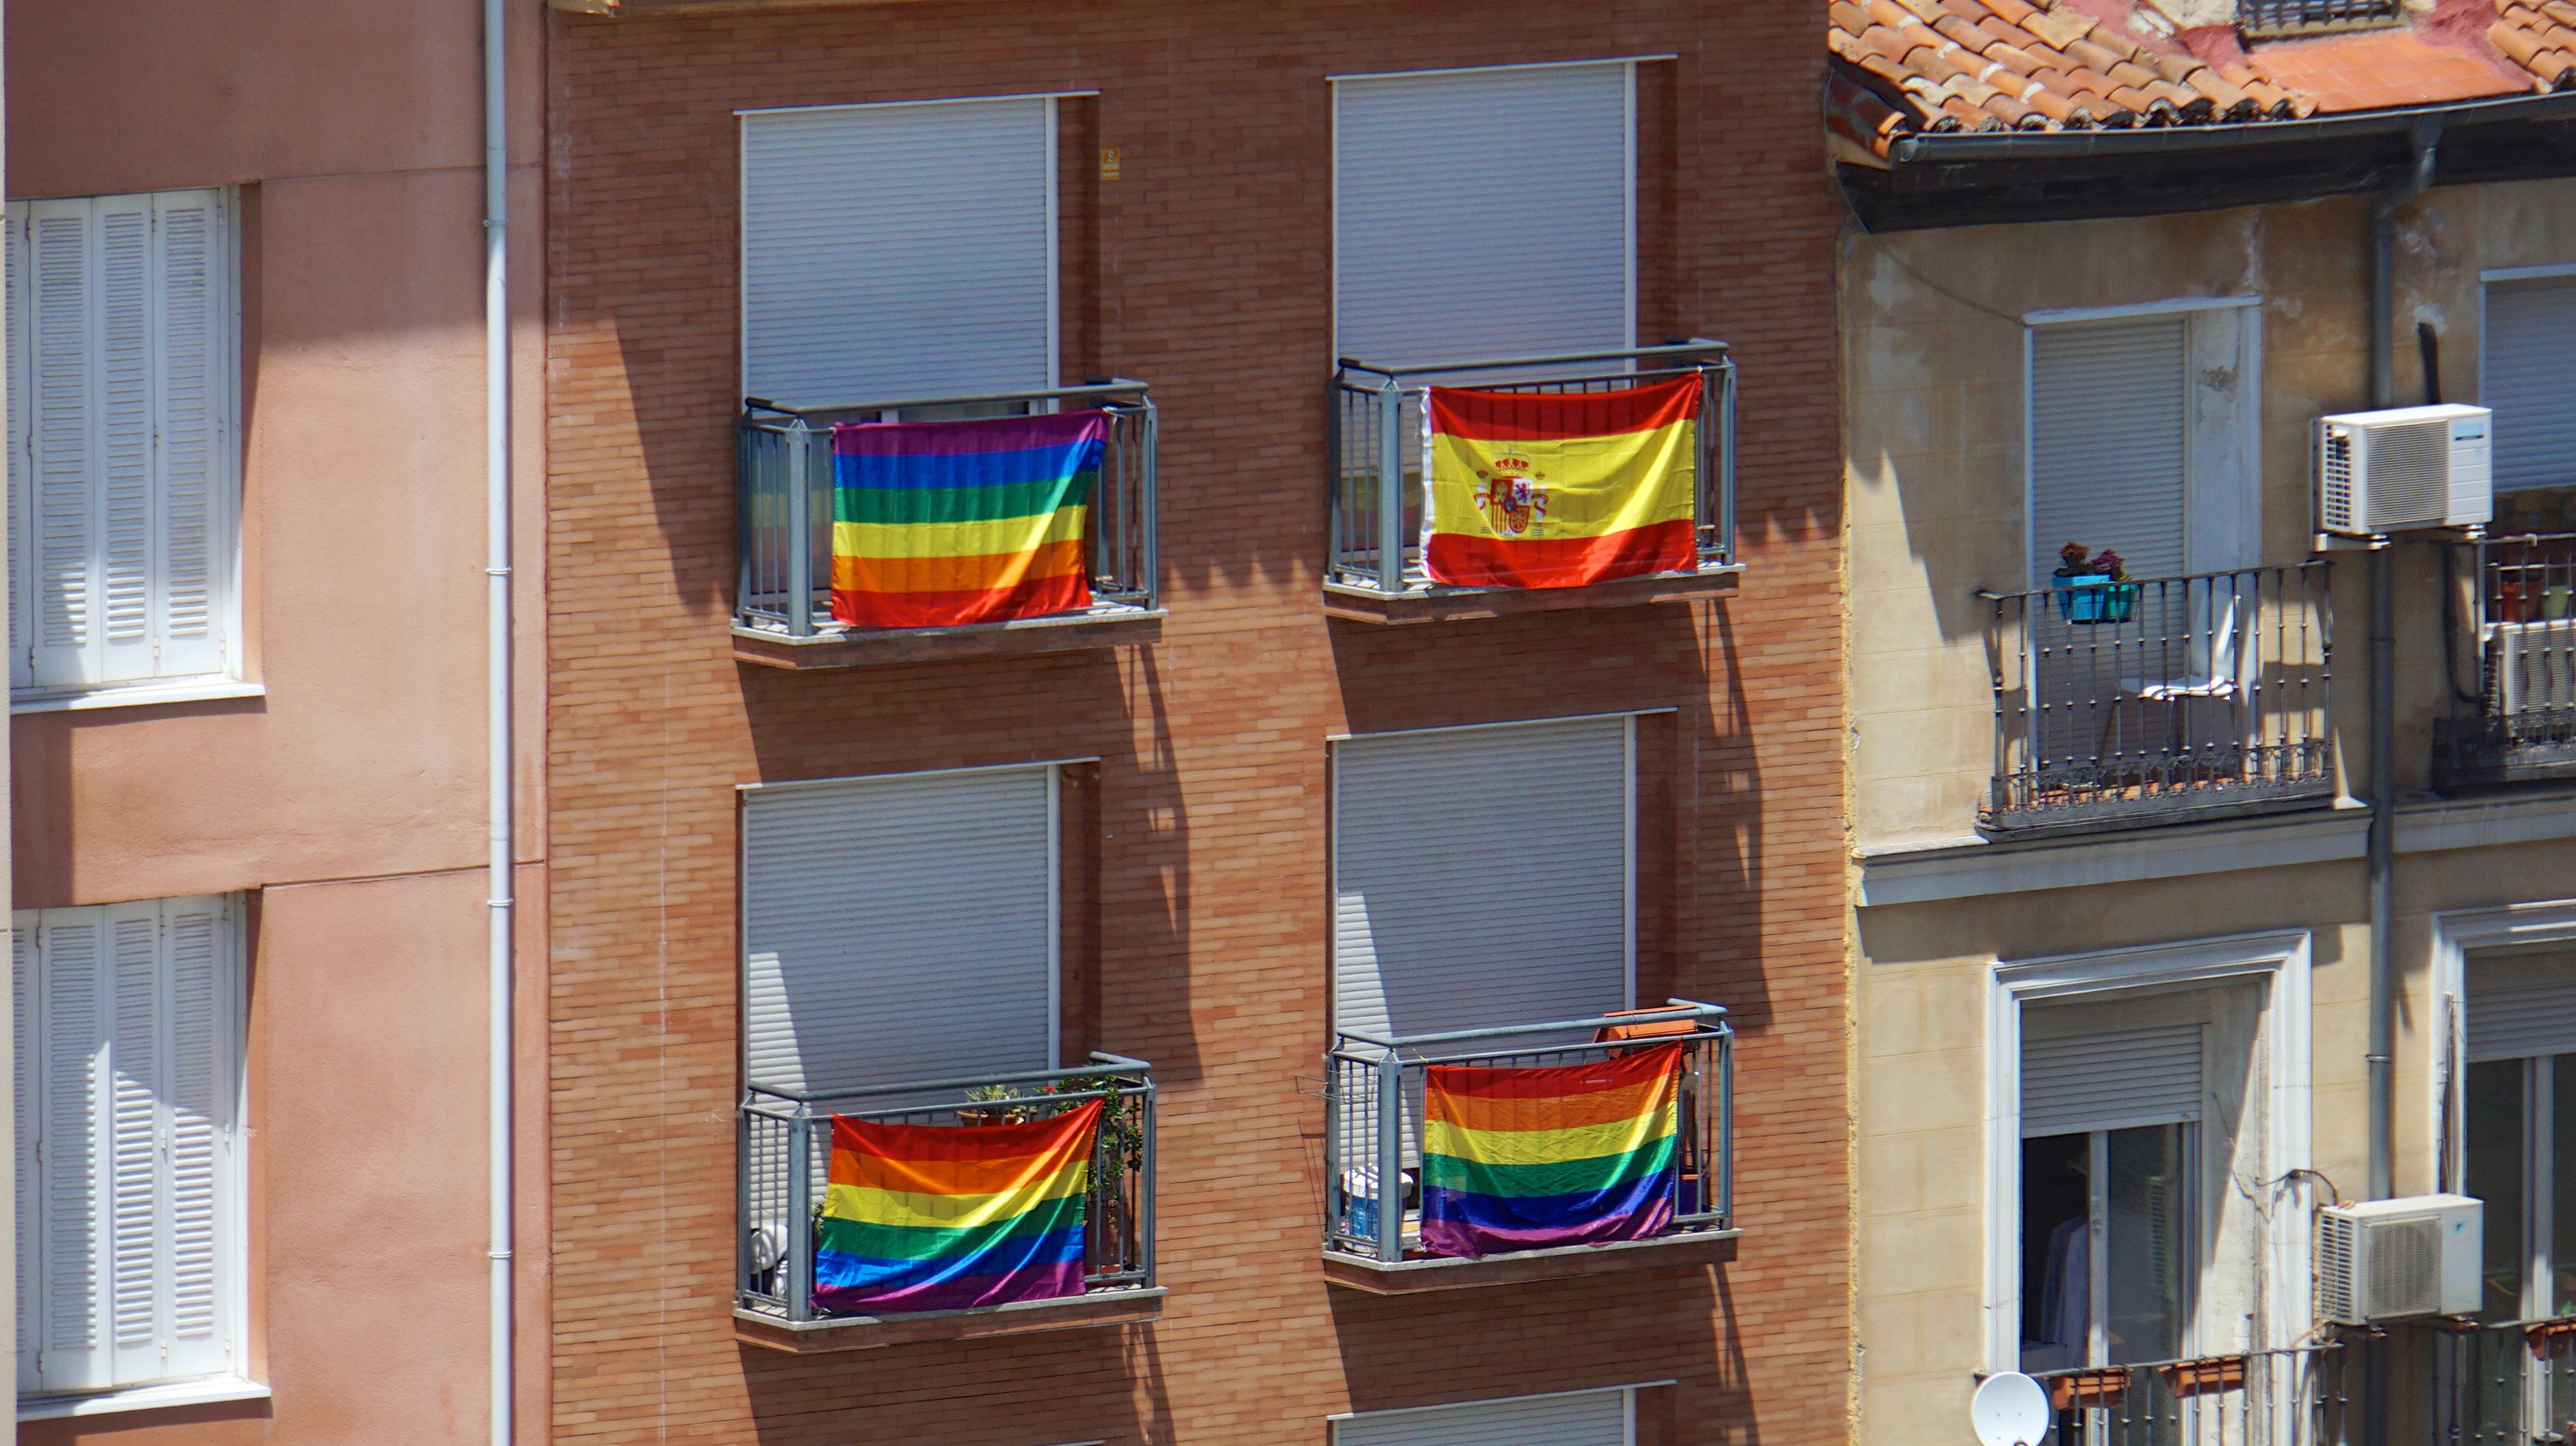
(956, 574)
(1560, 1112)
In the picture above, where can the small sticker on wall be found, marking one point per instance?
(1109, 163)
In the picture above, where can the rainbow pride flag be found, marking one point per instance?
(1523, 1159)
(935, 1217)
(935, 524)
(1561, 491)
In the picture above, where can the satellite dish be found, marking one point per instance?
(2010, 1409)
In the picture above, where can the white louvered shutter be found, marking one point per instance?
(898, 251)
(2110, 1080)
(13, 277)
(1587, 1418)
(134, 1165)
(2110, 442)
(899, 929)
(1482, 876)
(73, 1010)
(120, 436)
(2520, 1006)
(189, 550)
(2527, 374)
(1483, 214)
(26, 1066)
(62, 357)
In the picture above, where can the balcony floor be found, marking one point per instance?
(873, 1332)
(1437, 605)
(1101, 627)
(1412, 1277)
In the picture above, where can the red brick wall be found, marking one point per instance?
(1210, 956)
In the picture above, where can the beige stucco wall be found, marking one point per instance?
(1933, 408)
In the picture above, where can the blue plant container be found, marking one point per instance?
(2094, 598)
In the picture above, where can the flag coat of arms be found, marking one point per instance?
(1531, 490)
(1525, 1159)
(938, 1217)
(938, 524)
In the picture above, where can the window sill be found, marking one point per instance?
(212, 1390)
(132, 695)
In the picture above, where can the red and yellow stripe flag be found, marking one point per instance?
(1529, 490)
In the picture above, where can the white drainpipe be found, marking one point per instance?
(503, 771)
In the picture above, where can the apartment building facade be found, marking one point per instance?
(1241, 837)
(2114, 874)
(247, 652)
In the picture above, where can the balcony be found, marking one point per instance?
(2160, 700)
(2298, 1396)
(1373, 569)
(783, 488)
(1373, 1126)
(2510, 643)
(2502, 1384)
(784, 1144)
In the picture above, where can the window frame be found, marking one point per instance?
(226, 455)
(2278, 961)
(232, 1170)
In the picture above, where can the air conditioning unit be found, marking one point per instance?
(2535, 667)
(2411, 467)
(2393, 1258)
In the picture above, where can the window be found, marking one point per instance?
(1576, 1418)
(129, 1040)
(900, 928)
(2518, 1155)
(1484, 213)
(1483, 877)
(2527, 374)
(122, 485)
(2133, 1116)
(898, 251)
(2142, 441)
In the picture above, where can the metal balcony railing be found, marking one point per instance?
(2510, 643)
(2297, 1396)
(783, 489)
(784, 1149)
(1373, 500)
(1373, 1115)
(2510, 1383)
(2153, 700)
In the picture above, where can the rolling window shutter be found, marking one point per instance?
(119, 436)
(898, 251)
(2109, 442)
(2521, 1006)
(2112, 1080)
(899, 929)
(1483, 214)
(1587, 1418)
(2528, 375)
(1481, 876)
(133, 1166)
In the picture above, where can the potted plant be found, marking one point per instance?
(2094, 590)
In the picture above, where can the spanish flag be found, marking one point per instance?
(1530, 490)
(936, 524)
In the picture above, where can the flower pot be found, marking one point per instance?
(2209, 1377)
(2094, 598)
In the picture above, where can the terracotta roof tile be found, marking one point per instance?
(1993, 65)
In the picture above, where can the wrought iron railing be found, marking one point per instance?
(2265, 19)
(2505, 1384)
(1373, 1100)
(784, 1149)
(1373, 500)
(2510, 644)
(783, 488)
(2295, 1396)
(2154, 699)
